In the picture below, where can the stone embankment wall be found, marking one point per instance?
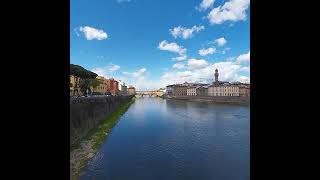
(88, 112)
(218, 99)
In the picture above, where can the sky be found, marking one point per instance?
(153, 43)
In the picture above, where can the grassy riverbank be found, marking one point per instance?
(81, 152)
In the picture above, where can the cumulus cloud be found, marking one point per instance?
(243, 58)
(199, 70)
(172, 47)
(197, 64)
(106, 71)
(233, 10)
(204, 52)
(245, 69)
(136, 74)
(179, 66)
(185, 33)
(205, 4)
(220, 41)
(91, 33)
(184, 74)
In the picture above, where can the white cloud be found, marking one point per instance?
(179, 66)
(136, 74)
(204, 52)
(245, 69)
(244, 79)
(183, 32)
(106, 71)
(204, 71)
(114, 67)
(233, 10)
(93, 33)
(243, 58)
(184, 74)
(205, 4)
(220, 41)
(197, 64)
(172, 47)
(180, 58)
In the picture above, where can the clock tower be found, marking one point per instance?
(216, 75)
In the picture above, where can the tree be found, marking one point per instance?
(82, 76)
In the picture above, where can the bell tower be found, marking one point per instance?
(216, 75)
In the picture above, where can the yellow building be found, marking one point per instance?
(103, 87)
(224, 90)
(73, 80)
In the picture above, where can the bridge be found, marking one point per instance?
(150, 93)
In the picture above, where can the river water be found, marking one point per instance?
(162, 139)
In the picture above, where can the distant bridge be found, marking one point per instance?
(150, 93)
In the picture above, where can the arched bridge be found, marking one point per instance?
(150, 93)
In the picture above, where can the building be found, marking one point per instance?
(216, 77)
(180, 90)
(101, 88)
(113, 86)
(74, 81)
(231, 90)
(131, 90)
(160, 92)
(170, 90)
(221, 88)
(215, 90)
(218, 88)
(202, 91)
(192, 91)
(244, 90)
(122, 88)
(224, 90)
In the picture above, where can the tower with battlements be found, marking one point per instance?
(216, 75)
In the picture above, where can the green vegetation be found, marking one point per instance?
(82, 151)
(85, 77)
(81, 72)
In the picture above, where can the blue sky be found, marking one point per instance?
(152, 43)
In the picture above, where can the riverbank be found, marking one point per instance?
(85, 149)
(214, 99)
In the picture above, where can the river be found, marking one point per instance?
(165, 139)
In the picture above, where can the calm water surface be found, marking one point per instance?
(159, 139)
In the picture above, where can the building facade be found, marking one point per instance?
(244, 90)
(122, 88)
(202, 91)
(131, 90)
(170, 90)
(191, 91)
(180, 90)
(113, 86)
(101, 88)
(74, 81)
(218, 88)
(224, 90)
(231, 90)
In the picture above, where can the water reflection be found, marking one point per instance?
(172, 139)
